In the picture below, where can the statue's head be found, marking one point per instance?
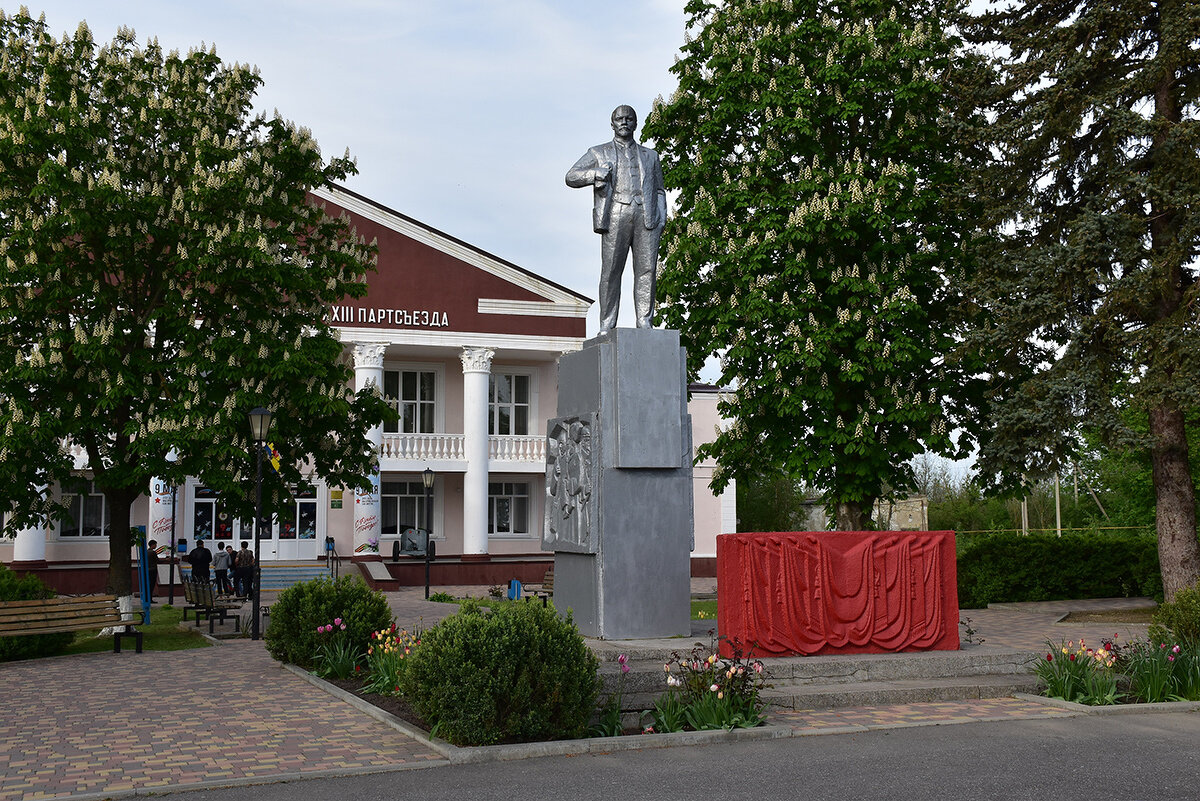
(624, 121)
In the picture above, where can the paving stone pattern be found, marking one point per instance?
(119, 723)
(905, 715)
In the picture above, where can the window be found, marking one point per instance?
(298, 520)
(403, 506)
(508, 508)
(210, 520)
(508, 404)
(88, 515)
(411, 394)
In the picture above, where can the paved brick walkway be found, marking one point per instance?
(904, 715)
(116, 723)
(1028, 626)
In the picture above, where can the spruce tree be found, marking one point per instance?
(813, 249)
(1087, 296)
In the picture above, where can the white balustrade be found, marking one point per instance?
(517, 449)
(451, 447)
(423, 447)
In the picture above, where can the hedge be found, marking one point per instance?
(1009, 566)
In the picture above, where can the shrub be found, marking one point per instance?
(292, 634)
(29, 646)
(1180, 617)
(1008, 566)
(517, 673)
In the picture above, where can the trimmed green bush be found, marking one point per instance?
(29, 646)
(518, 673)
(1008, 567)
(292, 635)
(1180, 617)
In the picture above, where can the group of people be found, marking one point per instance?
(223, 563)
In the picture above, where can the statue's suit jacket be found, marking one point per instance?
(654, 197)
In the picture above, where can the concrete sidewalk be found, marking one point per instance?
(112, 725)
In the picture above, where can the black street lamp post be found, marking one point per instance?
(171, 553)
(260, 421)
(427, 480)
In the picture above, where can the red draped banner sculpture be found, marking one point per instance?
(830, 592)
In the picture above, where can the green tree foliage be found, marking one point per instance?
(164, 271)
(813, 249)
(771, 501)
(1087, 294)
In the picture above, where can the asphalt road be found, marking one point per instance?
(1127, 757)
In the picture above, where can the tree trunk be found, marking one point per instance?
(119, 541)
(1175, 500)
(852, 516)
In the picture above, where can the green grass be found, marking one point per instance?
(163, 634)
(704, 610)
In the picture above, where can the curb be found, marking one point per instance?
(1115, 709)
(466, 755)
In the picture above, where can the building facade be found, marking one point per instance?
(464, 345)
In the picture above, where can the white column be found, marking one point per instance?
(368, 371)
(477, 367)
(29, 544)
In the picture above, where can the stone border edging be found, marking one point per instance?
(1114, 709)
(463, 755)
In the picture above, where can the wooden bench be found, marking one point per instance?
(51, 615)
(545, 590)
(203, 599)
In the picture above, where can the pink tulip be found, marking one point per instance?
(337, 621)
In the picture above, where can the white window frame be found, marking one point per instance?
(493, 408)
(439, 392)
(105, 517)
(505, 494)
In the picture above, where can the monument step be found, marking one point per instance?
(867, 693)
(647, 673)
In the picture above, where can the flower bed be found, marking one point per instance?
(1140, 671)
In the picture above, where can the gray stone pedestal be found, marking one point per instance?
(619, 486)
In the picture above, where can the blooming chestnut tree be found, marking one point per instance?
(163, 271)
(814, 250)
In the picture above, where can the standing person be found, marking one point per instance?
(220, 566)
(232, 568)
(200, 558)
(244, 570)
(629, 212)
(152, 566)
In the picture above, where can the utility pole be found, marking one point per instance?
(1057, 507)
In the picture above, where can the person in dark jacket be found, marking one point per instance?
(200, 558)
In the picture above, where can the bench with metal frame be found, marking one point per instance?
(204, 601)
(67, 613)
(545, 590)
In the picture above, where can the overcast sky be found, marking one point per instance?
(464, 114)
